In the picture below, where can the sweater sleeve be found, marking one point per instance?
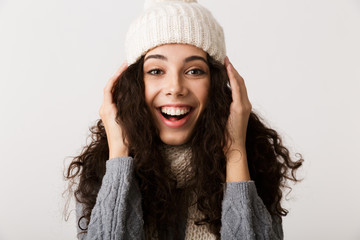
(244, 215)
(117, 213)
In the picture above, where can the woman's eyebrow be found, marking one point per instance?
(192, 58)
(156, 56)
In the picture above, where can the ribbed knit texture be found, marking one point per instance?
(172, 21)
(117, 214)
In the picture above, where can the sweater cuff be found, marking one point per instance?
(123, 163)
(241, 190)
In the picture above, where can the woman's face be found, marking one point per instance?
(177, 82)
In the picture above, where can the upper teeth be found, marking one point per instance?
(175, 111)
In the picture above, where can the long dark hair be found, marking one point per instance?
(269, 161)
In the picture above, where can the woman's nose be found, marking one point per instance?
(175, 86)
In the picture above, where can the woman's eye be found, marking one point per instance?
(155, 72)
(196, 72)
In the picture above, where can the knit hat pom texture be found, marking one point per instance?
(150, 3)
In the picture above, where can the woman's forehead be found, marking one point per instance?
(176, 50)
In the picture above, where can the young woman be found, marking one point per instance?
(178, 154)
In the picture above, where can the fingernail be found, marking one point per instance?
(226, 60)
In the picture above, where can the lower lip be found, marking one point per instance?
(177, 123)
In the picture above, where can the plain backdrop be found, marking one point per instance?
(300, 61)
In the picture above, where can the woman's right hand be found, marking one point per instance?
(107, 112)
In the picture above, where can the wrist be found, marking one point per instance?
(235, 153)
(118, 150)
(117, 154)
(237, 169)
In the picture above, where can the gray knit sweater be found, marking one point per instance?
(117, 213)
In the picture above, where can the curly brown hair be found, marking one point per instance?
(269, 162)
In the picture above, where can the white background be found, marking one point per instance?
(300, 61)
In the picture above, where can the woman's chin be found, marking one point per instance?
(174, 139)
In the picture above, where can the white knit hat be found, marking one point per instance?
(174, 21)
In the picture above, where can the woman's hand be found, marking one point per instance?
(240, 108)
(107, 112)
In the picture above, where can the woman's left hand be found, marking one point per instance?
(240, 110)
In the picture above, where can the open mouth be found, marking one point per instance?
(175, 113)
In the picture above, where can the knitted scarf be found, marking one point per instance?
(178, 158)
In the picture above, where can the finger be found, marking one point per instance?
(239, 82)
(120, 69)
(115, 76)
(234, 83)
(110, 83)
